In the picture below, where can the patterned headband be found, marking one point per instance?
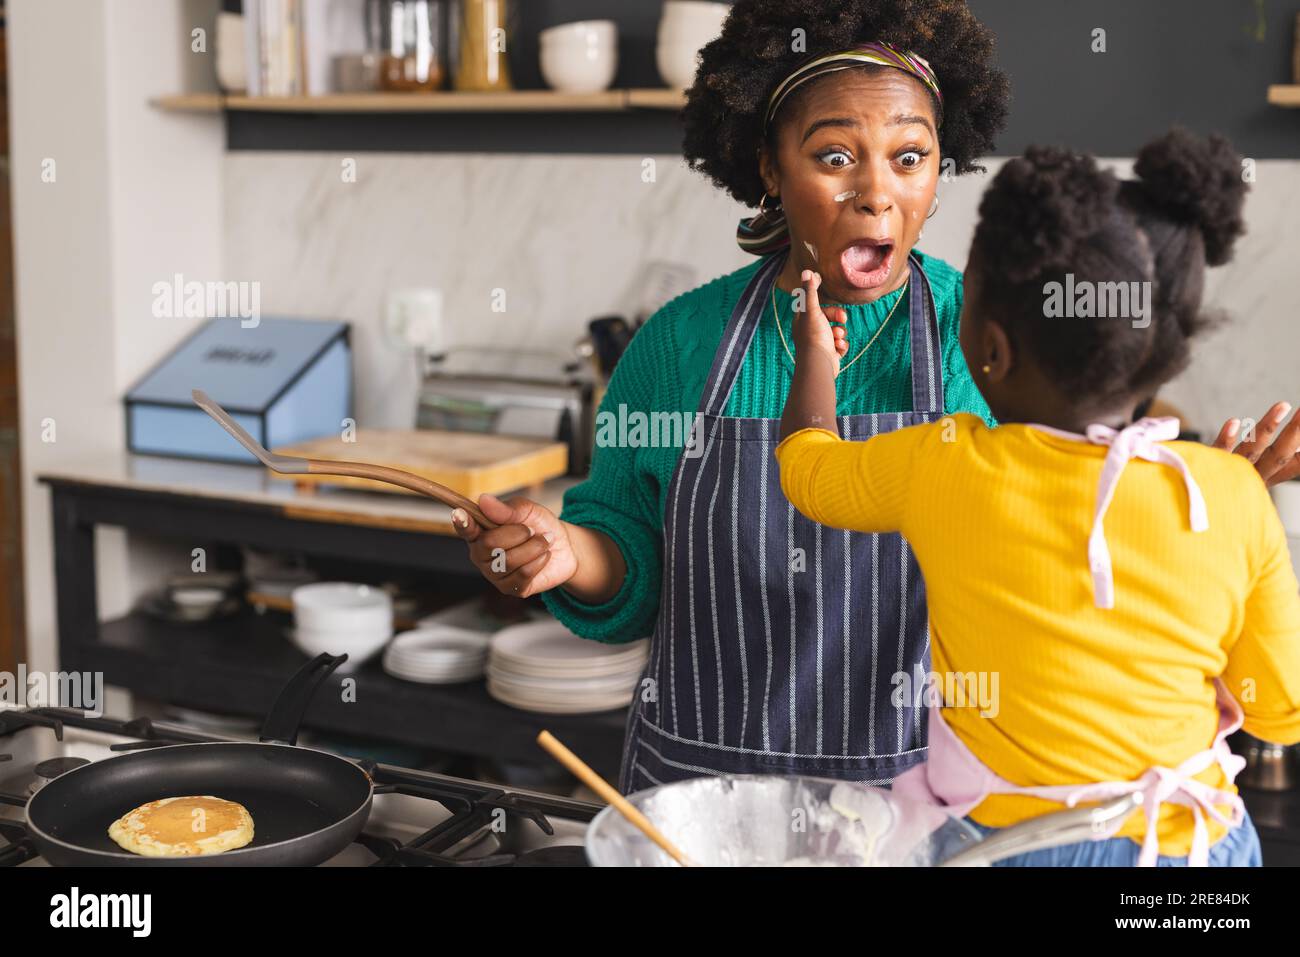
(767, 232)
(880, 54)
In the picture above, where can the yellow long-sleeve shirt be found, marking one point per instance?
(999, 520)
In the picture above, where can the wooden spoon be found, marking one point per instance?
(293, 465)
(583, 772)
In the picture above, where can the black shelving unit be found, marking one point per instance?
(237, 665)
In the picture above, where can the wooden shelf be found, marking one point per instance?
(190, 103)
(508, 101)
(1285, 95)
(665, 99)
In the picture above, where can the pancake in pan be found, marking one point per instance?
(183, 827)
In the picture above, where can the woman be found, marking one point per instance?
(776, 641)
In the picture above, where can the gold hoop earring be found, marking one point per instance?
(762, 204)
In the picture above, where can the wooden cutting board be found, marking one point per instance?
(469, 462)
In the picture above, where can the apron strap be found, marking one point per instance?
(927, 344)
(730, 355)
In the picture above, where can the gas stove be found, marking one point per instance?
(419, 818)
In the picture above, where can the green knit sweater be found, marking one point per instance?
(664, 370)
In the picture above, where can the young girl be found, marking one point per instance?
(1126, 590)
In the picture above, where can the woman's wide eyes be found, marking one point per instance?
(838, 159)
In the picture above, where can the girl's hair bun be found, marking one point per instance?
(1040, 208)
(1196, 181)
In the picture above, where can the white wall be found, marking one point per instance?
(136, 198)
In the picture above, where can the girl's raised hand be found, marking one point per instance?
(818, 331)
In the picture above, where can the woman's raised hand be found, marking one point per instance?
(1274, 453)
(529, 552)
(818, 330)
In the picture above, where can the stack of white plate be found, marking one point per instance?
(542, 666)
(437, 655)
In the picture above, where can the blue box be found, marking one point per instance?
(284, 380)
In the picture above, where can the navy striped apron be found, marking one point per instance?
(779, 639)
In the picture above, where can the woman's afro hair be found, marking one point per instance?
(740, 69)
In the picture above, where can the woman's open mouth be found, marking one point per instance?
(868, 262)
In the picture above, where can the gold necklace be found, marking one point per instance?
(777, 317)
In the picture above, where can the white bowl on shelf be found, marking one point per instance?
(686, 27)
(579, 57)
(343, 606)
(694, 13)
(581, 33)
(677, 65)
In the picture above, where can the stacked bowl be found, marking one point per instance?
(541, 666)
(342, 618)
(686, 26)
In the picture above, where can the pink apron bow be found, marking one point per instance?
(953, 778)
(1139, 440)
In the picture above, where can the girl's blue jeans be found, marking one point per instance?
(1238, 848)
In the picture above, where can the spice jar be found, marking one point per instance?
(481, 31)
(411, 43)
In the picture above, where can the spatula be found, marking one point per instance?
(293, 465)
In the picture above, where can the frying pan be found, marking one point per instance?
(306, 805)
(294, 465)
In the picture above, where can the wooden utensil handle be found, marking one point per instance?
(587, 776)
(416, 483)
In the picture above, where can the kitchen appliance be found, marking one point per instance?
(750, 820)
(515, 393)
(417, 818)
